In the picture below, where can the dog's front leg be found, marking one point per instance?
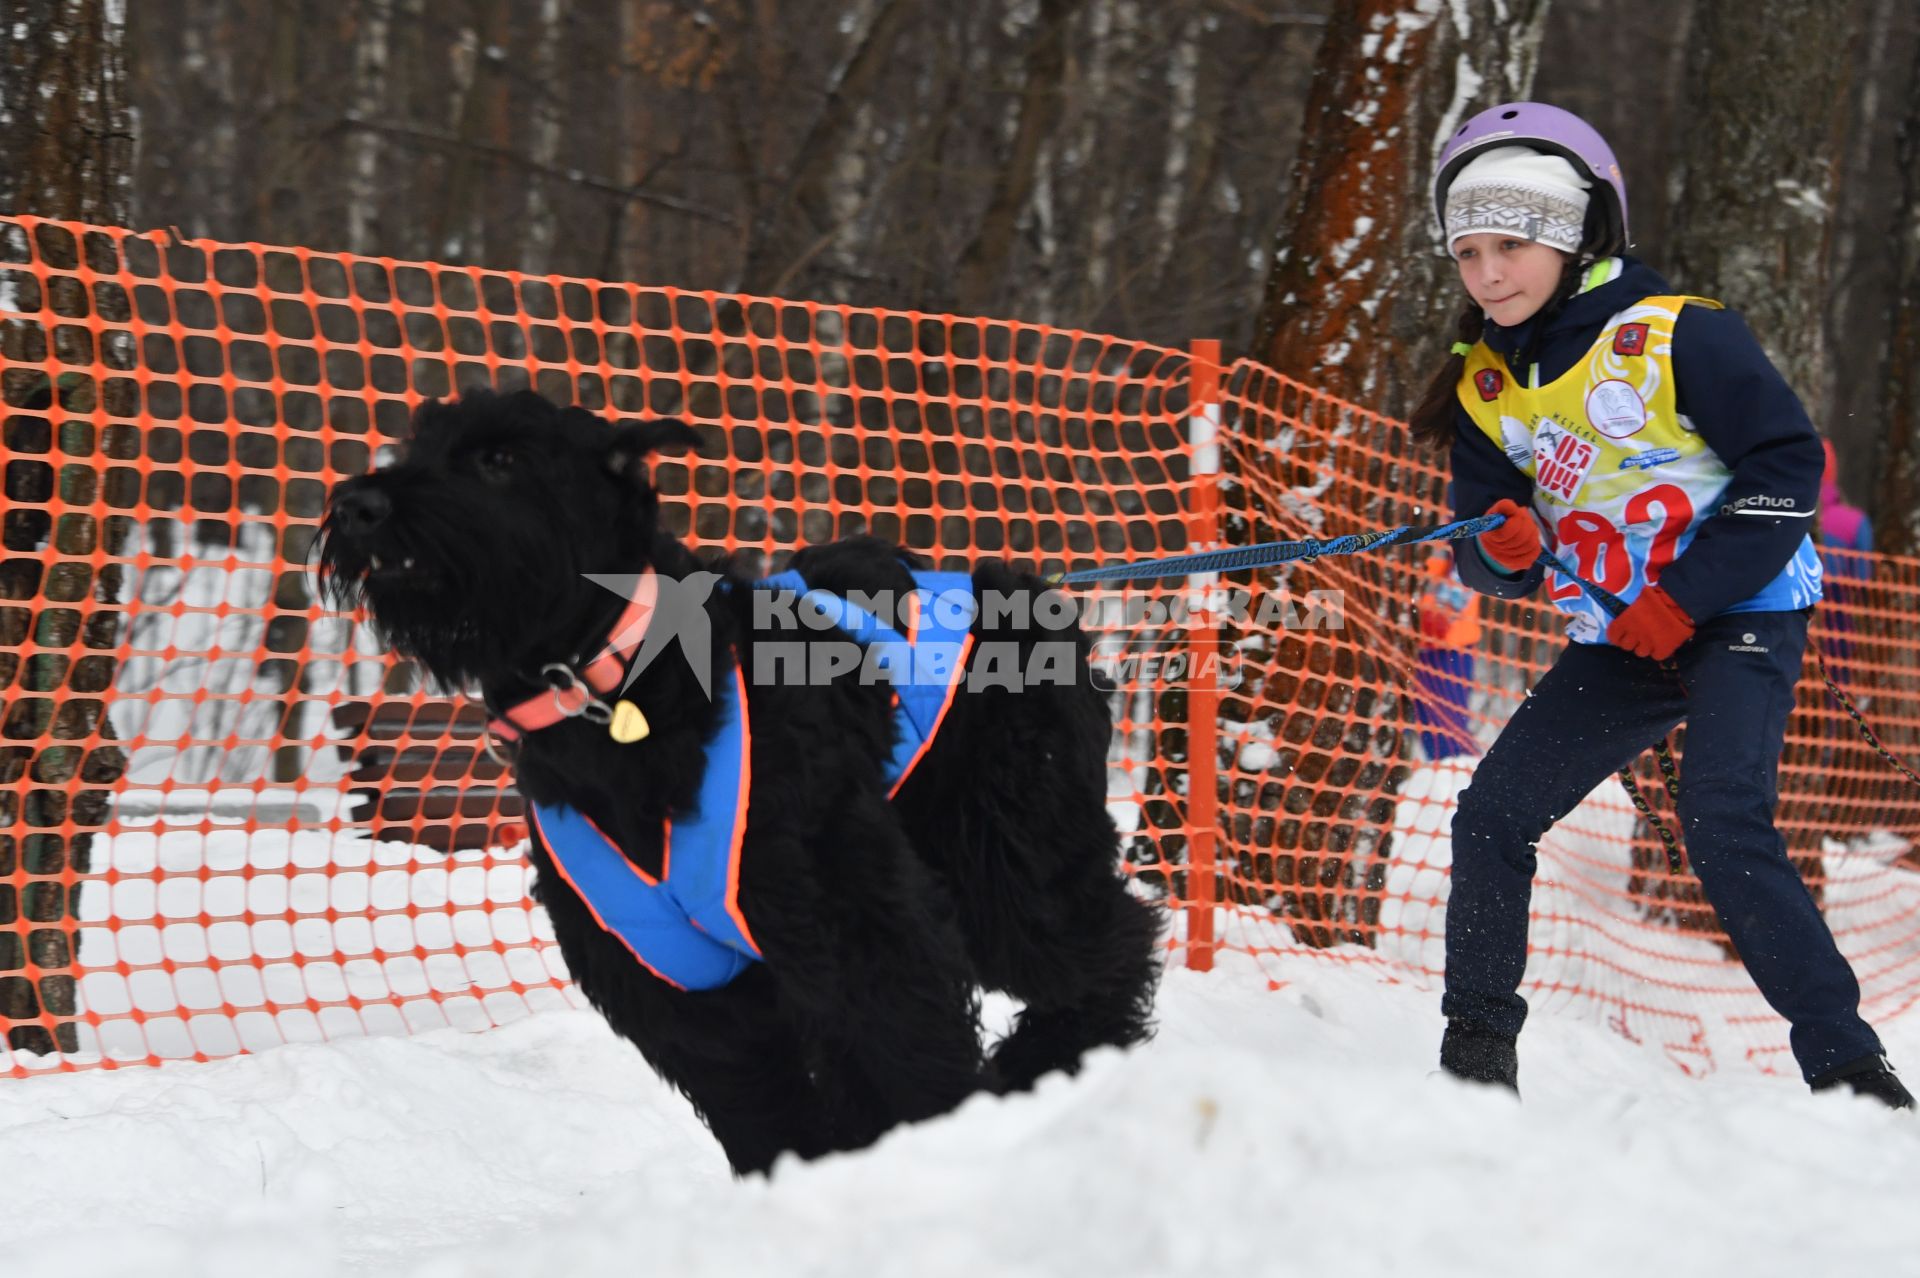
(861, 945)
(733, 1054)
(731, 1051)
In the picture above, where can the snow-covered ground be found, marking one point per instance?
(1286, 1120)
(1298, 1131)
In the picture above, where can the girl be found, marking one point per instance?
(1644, 439)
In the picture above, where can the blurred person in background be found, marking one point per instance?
(1449, 615)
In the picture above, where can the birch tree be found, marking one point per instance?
(371, 30)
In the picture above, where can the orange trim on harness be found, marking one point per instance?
(953, 688)
(740, 809)
(560, 865)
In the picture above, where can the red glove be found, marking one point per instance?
(1652, 626)
(1515, 544)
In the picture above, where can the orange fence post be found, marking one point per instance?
(1203, 641)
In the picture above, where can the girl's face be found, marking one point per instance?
(1509, 278)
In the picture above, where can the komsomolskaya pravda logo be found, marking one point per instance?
(676, 614)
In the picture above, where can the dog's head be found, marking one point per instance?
(470, 550)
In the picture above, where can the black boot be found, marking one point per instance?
(1869, 1076)
(1480, 1055)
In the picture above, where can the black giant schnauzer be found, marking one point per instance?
(827, 988)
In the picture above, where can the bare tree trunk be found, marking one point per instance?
(686, 56)
(371, 31)
(278, 183)
(1357, 298)
(780, 237)
(67, 138)
(1853, 245)
(1208, 214)
(1765, 108)
(1859, 300)
(920, 241)
(1897, 530)
(537, 256)
(1183, 84)
(1083, 228)
(1626, 80)
(455, 232)
(983, 265)
(63, 123)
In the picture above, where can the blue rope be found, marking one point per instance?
(1270, 553)
(1613, 603)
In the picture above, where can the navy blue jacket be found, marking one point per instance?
(1736, 400)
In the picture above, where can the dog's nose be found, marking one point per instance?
(362, 510)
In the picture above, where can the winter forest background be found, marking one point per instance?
(1163, 170)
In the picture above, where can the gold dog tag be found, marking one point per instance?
(628, 724)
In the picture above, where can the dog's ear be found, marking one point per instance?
(631, 443)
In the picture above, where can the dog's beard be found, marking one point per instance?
(468, 601)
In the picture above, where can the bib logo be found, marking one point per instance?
(1616, 410)
(1516, 441)
(1649, 459)
(1489, 383)
(1630, 339)
(1561, 462)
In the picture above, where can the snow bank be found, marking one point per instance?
(1296, 1132)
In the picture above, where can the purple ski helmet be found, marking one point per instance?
(1546, 129)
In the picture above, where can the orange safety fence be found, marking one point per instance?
(229, 820)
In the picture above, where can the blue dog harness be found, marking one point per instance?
(685, 926)
(923, 666)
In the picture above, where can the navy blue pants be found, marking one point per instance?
(1592, 713)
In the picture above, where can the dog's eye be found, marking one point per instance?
(495, 465)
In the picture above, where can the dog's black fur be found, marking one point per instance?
(995, 865)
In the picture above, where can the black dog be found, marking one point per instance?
(875, 914)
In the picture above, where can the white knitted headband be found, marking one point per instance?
(1517, 191)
